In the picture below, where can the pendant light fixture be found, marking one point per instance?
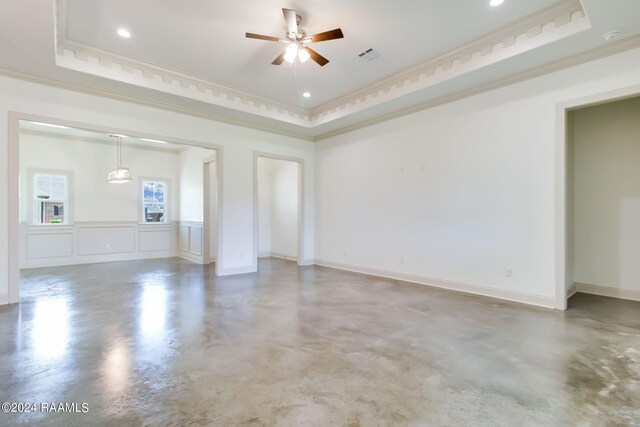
(119, 175)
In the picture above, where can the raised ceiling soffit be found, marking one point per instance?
(552, 24)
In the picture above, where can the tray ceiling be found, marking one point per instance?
(193, 57)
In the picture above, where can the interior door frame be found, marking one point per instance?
(206, 205)
(13, 191)
(301, 210)
(563, 281)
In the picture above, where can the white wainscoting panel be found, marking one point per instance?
(183, 238)
(154, 240)
(95, 240)
(195, 240)
(190, 241)
(49, 244)
(89, 242)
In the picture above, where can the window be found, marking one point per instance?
(154, 197)
(51, 194)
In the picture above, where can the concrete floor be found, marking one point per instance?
(164, 342)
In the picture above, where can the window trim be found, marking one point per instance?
(31, 199)
(167, 210)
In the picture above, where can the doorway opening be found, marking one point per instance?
(70, 207)
(603, 200)
(278, 202)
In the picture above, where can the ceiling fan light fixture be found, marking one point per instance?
(291, 53)
(303, 55)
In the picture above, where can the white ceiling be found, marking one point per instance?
(206, 40)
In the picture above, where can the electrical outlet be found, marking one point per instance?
(344, 252)
(108, 246)
(401, 260)
(509, 272)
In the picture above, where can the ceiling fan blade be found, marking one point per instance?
(327, 35)
(280, 59)
(321, 60)
(290, 18)
(261, 37)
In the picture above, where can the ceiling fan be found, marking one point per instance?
(297, 39)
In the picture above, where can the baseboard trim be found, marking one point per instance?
(608, 291)
(277, 255)
(571, 291)
(237, 270)
(190, 257)
(4, 299)
(283, 256)
(96, 259)
(468, 288)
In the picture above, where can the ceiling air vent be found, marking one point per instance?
(369, 55)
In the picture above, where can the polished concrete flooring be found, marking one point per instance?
(164, 342)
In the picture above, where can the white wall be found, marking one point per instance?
(239, 144)
(191, 237)
(284, 209)
(93, 198)
(606, 186)
(461, 195)
(265, 184)
(278, 207)
(191, 183)
(103, 222)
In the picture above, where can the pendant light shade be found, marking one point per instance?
(120, 174)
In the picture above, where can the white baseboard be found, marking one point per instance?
(571, 291)
(190, 257)
(237, 270)
(95, 259)
(607, 291)
(277, 255)
(283, 256)
(4, 299)
(540, 301)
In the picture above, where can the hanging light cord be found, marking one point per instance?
(119, 151)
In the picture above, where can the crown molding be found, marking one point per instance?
(93, 61)
(46, 81)
(546, 26)
(624, 45)
(549, 25)
(88, 59)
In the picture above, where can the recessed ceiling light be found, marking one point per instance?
(123, 32)
(612, 35)
(306, 95)
(496, 2)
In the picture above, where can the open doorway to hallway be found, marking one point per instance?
(603, 199)
(278, 202)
